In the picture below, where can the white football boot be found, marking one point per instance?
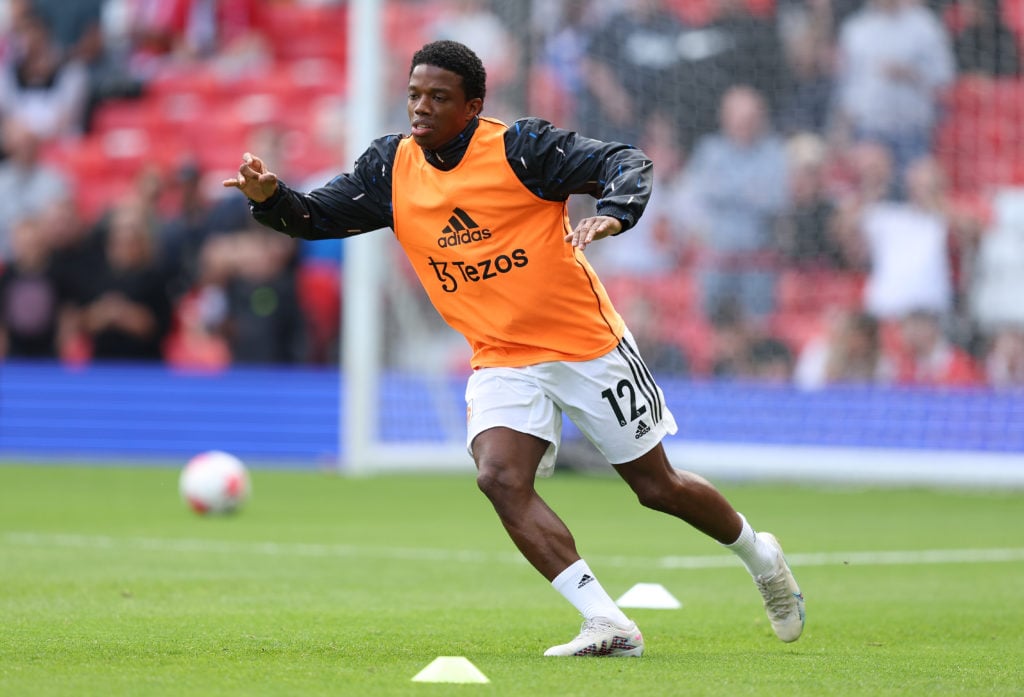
(601, 637)
(783, 600)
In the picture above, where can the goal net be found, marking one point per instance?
(824, 281)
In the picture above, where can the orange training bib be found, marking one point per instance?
(492, 258)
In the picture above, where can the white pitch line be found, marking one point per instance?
(272, 549)
(286, 549)
(874, 558)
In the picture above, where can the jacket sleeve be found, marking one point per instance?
(555, 163)
(350, 204)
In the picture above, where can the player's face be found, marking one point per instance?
(438, 108)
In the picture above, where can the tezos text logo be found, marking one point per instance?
(449, 273)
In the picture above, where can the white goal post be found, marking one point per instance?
(360, 448)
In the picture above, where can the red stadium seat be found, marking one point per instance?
(700, 12)
(673, 294)
(126, 113)
(981, 141)
(1013, 15)
(199, 80)
(298, 30)
(800, 291)
(405, 24)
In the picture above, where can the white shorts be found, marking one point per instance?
(613, 400)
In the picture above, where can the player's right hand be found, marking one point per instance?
(254, 180)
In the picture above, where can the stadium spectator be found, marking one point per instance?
(184, 229)
(808, 232)
(1004, 358)
(78, 29)
(864, 173)
(637, 68)
(477, 24)
(197, 339)
(825, 16)
(996, 283)
(807, 87)
(656, 246)
(75, 26)
(234, 287)
(895, 59)
(124, 312)
(312, 268)
(908, 248)
(76, 252)
(982, 42)
(559, 83)
(169, 36)
(29, 298)
(735, 48)
(39, 86)
(738, 182)
(31, 183)
(863, 177)
(541, 325)
(732, 335)
(849, 353)
(743, 350)
(770, 360)
(264, 322)
(76, 248)
(928, 358)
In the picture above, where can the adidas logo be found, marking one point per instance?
(459, 221)
(587, 578)
(461, 229)
(642, 430)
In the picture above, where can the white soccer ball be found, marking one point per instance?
(214, 482)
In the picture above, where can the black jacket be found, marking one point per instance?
(552, 163)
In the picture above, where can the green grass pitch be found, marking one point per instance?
(325, 585)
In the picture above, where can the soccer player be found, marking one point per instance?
(480, 209)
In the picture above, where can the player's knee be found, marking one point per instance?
(649, 497)
(658, 494)
(499, 482)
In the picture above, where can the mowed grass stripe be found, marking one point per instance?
(326, 586)
(447, 556)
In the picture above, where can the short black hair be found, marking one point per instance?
(459, 59)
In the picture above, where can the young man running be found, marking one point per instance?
(480, 209)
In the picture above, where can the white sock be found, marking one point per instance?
(758, 557)
(580, 587)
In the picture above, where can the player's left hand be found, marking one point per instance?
(595, 228)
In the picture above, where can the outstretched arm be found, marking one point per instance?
(350, 204)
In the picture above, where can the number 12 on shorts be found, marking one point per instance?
(621, 389)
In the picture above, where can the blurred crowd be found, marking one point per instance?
(807, 225)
